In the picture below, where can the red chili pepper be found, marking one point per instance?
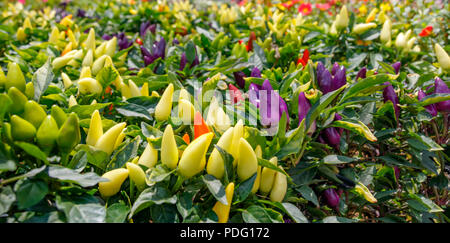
(139, 41)
(304, 60)
(240, 41)
(249, 45)
(200, 126)
(426, 31)
(235, 94)
(186, 138)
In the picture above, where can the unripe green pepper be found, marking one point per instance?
(58, 114)
(34, 113)
(69, 133)
(21, 129)
(15, 77)
(137, 175)
(47, 134)
(215, 42)
(2, 78)
(18, 100)
(116, 178)
(6, 132)
(29, 90)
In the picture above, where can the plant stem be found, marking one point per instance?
(179, 182)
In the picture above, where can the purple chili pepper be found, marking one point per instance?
(152, 28)
(160, 48)
(339, 79)
(430, 108)
(175, 41)
(183, 61)
(361, 74)
(441, 88)
(332, 198)
(396, 67)
(283, 108)
(389, 94)
(319, 73)
(332, 137)
(106, 37)
(326, 84)
(303, 107)
(253, 94)
(335, 68)
(143, 28)
(239, 78)
(256, 73)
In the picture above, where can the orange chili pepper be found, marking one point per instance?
(200, 126)
(186, 138)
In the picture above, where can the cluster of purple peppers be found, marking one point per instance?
(439, 88)
(262, 97)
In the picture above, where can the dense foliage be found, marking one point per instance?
(218, 111)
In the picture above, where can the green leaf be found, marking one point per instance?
(7, 198)
(357, 127)
(117, 213)
(134, 110)
(32, 150)
(245, 188)
(30, 192)
(6, 102)
(256, 214)
(337, 159)
(127, 152)
(87, 213)
(41, 79)
(94, 156)
(153, 195)
(158, 174)
(295, 213)
(363, 85)
(356, 60)
(190, 51)
(216, 188)
(421, 203)
(265, 163)
(85, 111)
(309, 194)
(319, 106)
(72, 176)
(227, 161)
(106, 76)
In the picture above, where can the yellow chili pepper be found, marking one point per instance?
(116, 178)
(107, 141)
(193, 159)
(279, 187)
(164, 106)
(267, 177)
(247, 163)
(238, 133)
(149, 157)
(169, 149)
(137, 175)
(223, 211)
(95, 129)
(215, 164)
